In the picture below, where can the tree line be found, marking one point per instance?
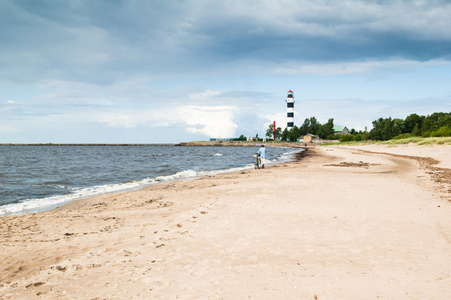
(434, 125)
(310, 125)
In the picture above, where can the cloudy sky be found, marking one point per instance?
(136, 71)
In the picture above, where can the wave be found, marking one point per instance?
(43, 204)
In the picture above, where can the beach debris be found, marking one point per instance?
(60, 268)
(165, 204)
(92, 266)
(36, 284)
(360, 164)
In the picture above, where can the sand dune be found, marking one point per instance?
(341, 223)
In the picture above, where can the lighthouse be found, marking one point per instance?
(290, 110)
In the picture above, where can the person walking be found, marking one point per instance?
(262, 152)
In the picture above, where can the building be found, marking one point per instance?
(341, 130)
(290, 110)
(310, 138)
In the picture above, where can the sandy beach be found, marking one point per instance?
(364, 222)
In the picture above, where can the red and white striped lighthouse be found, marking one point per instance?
(290, 110)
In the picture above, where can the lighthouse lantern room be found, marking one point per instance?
(290, 110)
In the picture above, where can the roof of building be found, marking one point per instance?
(339, 128)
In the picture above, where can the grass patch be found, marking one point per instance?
(436, 141)
(404, 141)
(352, 143)
(394, 142)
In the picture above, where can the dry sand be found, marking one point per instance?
(342, 223)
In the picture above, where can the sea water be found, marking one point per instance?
(38, 178)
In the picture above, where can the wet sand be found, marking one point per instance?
(340, 223)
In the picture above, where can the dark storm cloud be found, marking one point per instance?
(327, 33)
(106, 41)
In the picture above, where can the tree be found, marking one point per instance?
(376, 132)
(304, 129)
(270, 132)
(435, 122)
(327, 130)
(413, 121)
(398, 127)
(314, 126)
(278, 133)
(284, 135)
(295, 133)
(389, 129)
(416, 130)
(386, 129)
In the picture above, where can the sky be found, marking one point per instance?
(158, 71)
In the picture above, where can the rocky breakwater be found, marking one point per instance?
(242, 144)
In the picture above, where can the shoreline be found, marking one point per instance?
(341, 222)
(155, 186)
(55, 201)
(180, 144)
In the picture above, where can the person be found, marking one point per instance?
(262, 152)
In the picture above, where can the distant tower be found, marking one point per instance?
(290, 110)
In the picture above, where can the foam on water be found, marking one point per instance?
(42, 204)
(31, 205)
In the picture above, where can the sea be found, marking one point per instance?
(36, 178)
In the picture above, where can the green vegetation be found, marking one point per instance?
(414, 129)
(242, 138)
(435, 125)
(270, 132)
(431, 129)
(424, 130)
(396, 142)
(310, 125)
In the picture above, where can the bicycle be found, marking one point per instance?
(258, 161)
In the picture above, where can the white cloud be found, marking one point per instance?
(212, 121)
(204, 95)
(133, 118)
(280, 118)
(352, 68)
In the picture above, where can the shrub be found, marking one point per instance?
(346, 138)
(441, 132)
(402, 136)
